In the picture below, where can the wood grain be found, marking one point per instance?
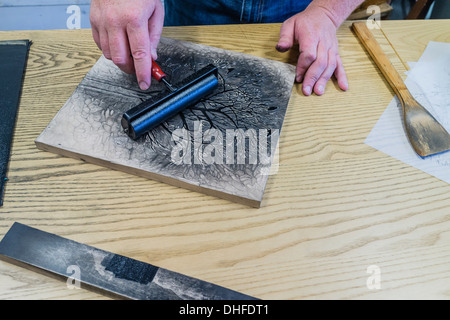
(415, 34)
(335, 207)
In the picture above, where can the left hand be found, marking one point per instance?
(315, 32)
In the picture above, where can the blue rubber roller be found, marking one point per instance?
(151, 113)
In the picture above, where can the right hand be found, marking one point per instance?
(128, 33)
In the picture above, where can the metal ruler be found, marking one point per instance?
(110, 273)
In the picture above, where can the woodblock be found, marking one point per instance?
(223, 146)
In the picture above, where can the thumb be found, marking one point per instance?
(286, 40)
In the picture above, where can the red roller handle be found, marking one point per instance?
(157, 73)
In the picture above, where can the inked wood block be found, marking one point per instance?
(223, 146)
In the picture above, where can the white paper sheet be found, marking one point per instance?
(429, 82)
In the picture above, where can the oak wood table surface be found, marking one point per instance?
(336, 212)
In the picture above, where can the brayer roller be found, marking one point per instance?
(151, 113)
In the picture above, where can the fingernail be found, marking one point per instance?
(299, 78)
(320, 89)
(143, 85)
(154, 54)
(307, 90)
(282, 47)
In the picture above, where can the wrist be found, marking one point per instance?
(336, 11)
(320, 10)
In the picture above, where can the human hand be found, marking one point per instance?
(128, 33)
(315, 32)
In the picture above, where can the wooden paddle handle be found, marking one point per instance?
(382, 61)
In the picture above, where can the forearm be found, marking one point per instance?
(337, 10)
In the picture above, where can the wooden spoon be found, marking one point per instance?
(425, 133)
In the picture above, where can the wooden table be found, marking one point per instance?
(335, 208)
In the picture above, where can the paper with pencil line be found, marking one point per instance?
(429, 83)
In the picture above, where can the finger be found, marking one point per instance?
(155, 26)
(308, 54)
(104, 44)
(120, 50)
(319, 87)
(286, 38)
(96, 36)
(340, 74)
(93, 18)
(316, 69)
(140, 50)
